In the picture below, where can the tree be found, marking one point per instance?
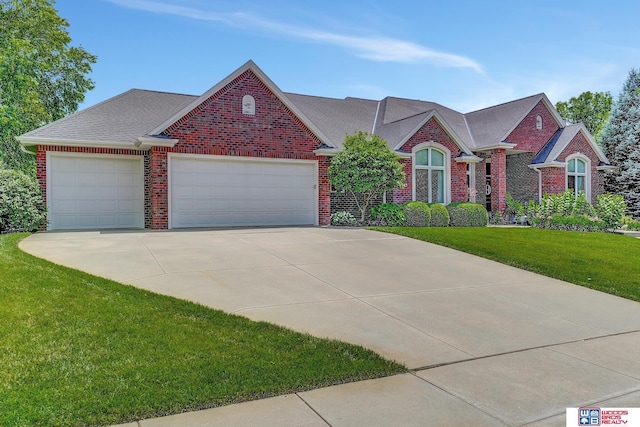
(42, 77)
(365, 169)
(591, 109)
(621, 139)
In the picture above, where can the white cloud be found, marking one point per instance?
(376, 48)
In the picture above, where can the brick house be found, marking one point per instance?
(245, 153)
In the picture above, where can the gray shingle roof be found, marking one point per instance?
(121, 119)
(489, 126)
(137, 113)
(337, 118)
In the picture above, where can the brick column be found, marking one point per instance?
(499, 179)
(324, 192)
(159, 188)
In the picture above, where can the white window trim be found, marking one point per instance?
(587, 172)
(447, 168)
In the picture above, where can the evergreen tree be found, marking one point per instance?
(621, 139)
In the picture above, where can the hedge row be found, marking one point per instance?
(420, 214)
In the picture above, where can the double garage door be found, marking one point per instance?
(101, 191)
(231, 191)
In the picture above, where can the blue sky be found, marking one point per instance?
(463, 54)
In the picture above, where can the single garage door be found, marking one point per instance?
(94, 192)
(231, 191)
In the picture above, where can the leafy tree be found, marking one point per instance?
(365, 169)
(621, 138)
(591, 109)
(42, 77)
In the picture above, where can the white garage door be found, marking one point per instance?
(227, 192)
(94, 192)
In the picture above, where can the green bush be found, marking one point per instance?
(574, 223)
(565, 204)
(514, 207)
(610, 209)
(389, 214)
(633, 226)
(467, 215)
(21, 204)
(418, 214)
(343, 218)
(439, 215)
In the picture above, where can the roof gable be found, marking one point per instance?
(421, 120)
(493, 125)
(251, 67)
(554, 148)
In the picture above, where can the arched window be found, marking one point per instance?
(539, 122)
(578, 176)
(248, 105)
(430, 175)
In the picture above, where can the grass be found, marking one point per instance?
(606, 262)
(76, 349)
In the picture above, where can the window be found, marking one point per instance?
(248, 105)
(577, 176)
(430, 175)
(539, 122)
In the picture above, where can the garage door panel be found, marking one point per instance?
(95, 192)
(240, 192)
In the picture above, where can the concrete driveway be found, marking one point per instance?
(487, 343)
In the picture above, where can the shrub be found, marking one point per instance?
(389, 213)
(439, 215)
(514, 208)
(565, 204)
(343, 218)
(610, 209)
(467, 215)
(21, 204)
(418, 214)
(574, 223)
(498, 218)
(633, 225)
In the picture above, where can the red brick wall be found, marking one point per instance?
(157, 189)
(324, 191)
(579, 144)
(432, 131)
(527, 136)
(498, 180)
(218, 126)
(553, 180)
(402, 195)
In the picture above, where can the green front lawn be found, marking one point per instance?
(606, 262)
(76, 349)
